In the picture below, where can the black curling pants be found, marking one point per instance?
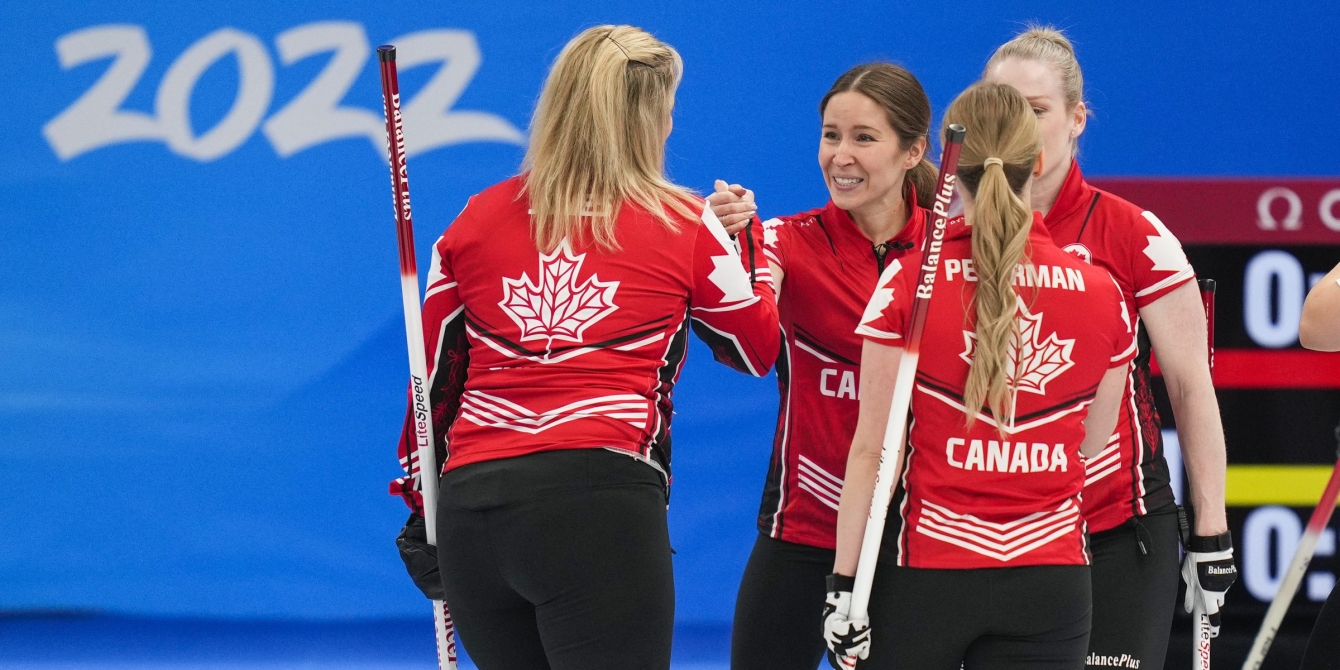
(1323, 648)
(1025, 618)
(558, 560)
(779, 611)
(1134, 592)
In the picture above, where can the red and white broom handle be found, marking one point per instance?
(1201, 634)
(425, 456)
(1207, 288)
(1307, 546)
(895, 432)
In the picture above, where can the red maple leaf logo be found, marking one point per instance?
(557, 306)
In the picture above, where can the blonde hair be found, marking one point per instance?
(1048, 45)
(598, 137)
(1001, 125)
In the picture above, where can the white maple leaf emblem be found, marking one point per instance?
(1034, 361)
(557, 306)
(883, 295)
(770, 231)
(1164, 249)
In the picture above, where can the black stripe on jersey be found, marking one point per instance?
(828, 236)
(1084, 541)
(774, 494)
(1151, 471)
(823, 349)
(724, 349)
(447, 383)
(651, 328)
(674, 358)
(1092, 204)
(896, 535)
(941, 387)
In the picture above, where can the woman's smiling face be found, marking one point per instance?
(859, 154)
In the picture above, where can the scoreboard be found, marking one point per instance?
(1265, 241)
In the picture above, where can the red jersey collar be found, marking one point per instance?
(850, 233)
(1074, 193)
(1036, 233)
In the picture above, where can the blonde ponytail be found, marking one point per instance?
(598, 137)
(998, 155)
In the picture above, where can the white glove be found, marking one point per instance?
(1208, 571)
(846, 639)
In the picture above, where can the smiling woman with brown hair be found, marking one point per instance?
(873, 129)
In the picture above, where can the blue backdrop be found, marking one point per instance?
(201, 358)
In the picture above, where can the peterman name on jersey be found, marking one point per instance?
(1130, 477)
(1006, 491)
(830, 268)
(578, 347)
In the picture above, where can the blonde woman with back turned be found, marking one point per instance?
(984, 560)
(1128, 498)
(557, 314)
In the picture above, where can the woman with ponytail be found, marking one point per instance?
(874, 123)
(556, 317)
(1128, 499)
(984, 560)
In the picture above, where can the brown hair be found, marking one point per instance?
(1048, 45)
(1001, 125)
(598, 137)
(907, 108)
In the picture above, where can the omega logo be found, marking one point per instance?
(1293, 216)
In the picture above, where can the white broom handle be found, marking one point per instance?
(895, 434)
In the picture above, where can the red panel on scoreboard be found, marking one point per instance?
(1256, 210)
(1271, 369)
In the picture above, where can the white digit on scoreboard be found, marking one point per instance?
(1270, 536)
(1273, 290)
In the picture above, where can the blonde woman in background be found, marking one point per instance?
(1128, 499)
(557, 315)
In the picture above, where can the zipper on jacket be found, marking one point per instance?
(881, 250)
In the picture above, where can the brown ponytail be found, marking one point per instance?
(907, 108)
(923, 176)
(1001, 126)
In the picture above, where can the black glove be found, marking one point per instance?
(420, 558)
(846, 640)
